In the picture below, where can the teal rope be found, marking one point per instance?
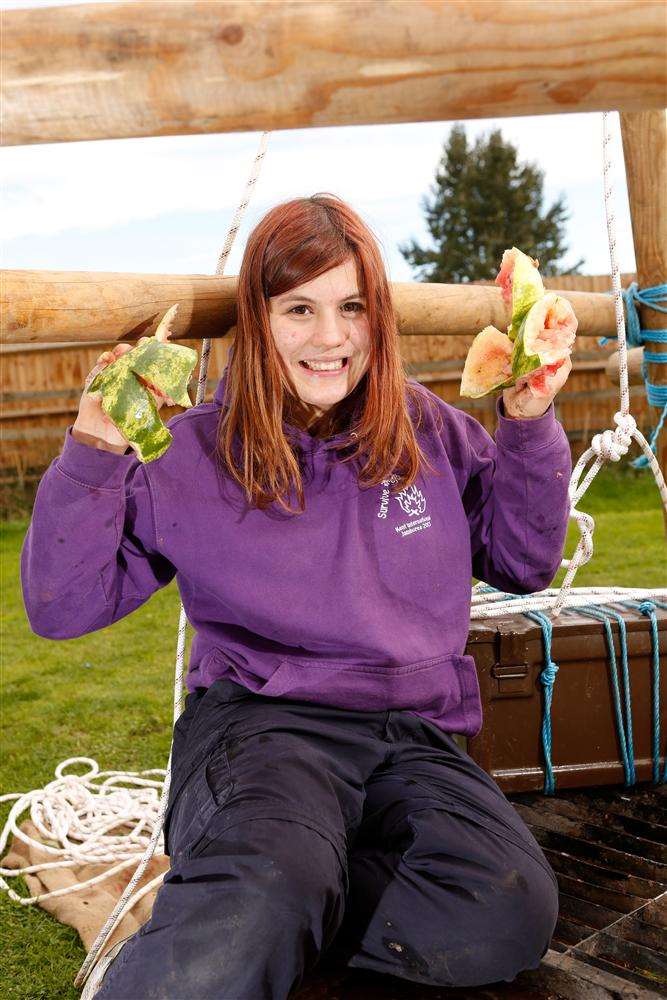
(637, 336)
(623, 728)
(547, 677)
(647, 608)
(662, 605)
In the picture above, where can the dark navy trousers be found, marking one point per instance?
(296, 828)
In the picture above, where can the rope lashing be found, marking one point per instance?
(547, 677)
(638, 336)
(610, 445)
(623, 726)
(647, 608)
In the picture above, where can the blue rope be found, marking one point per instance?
(647, 608)
(624, 729)
(547, 677)
(637, 336)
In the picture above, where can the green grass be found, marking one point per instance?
(108, 696)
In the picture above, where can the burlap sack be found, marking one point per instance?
(87, 909)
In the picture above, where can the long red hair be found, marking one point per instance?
(295, 242)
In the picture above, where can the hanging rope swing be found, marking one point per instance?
(106, 801)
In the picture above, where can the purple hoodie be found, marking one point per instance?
(361, 602)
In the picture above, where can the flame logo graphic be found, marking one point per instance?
(412, 501)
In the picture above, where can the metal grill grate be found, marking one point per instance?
(608, 848)
(609, 851)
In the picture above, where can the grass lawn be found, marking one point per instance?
(108, 696)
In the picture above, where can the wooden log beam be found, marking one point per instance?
(635, 357)
(82, 306)
(102, 71)
(645, 152)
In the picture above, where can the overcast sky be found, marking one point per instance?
(164, 204)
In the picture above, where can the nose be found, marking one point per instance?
(330, 331)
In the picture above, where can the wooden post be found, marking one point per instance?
(645, 151)
(103, 71)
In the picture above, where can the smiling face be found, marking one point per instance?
(322, 335)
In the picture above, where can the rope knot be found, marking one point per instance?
(646, 607)
(548, 675)
(612, 445)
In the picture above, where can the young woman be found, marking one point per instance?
(323, 517)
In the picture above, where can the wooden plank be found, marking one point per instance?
(102, 71)
(53, 306)
(572, 979)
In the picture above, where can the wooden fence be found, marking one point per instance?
(40, 386)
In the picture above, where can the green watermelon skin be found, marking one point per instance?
(130, 405)
(527, 289)
(526, 286)
(166, 366)
(522, 363)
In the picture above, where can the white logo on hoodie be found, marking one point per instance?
(411, 501)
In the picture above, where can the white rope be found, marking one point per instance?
(80, 815)
(80, 812)
(499, 605)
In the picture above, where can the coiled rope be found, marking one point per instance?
(80, 812)
(611, 445)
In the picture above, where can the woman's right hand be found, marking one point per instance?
(92, 426)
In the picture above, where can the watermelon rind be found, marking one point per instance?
(166, 366)
(527, 289)
(130, 405)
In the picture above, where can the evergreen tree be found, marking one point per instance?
(482, 202)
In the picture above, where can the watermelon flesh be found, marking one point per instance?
(126, 387)
(546, 335)
(540, 336)
(537, 381)
(488, 365)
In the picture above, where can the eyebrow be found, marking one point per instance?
(304, 298)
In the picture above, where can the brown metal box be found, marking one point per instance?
(509, 654)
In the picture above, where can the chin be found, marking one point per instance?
(324, 400)
(322, 396)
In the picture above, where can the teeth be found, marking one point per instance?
(324, 366)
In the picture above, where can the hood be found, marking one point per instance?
(295, 434)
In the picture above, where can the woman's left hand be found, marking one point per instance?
(519, 402)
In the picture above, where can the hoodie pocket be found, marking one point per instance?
(439, 688)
